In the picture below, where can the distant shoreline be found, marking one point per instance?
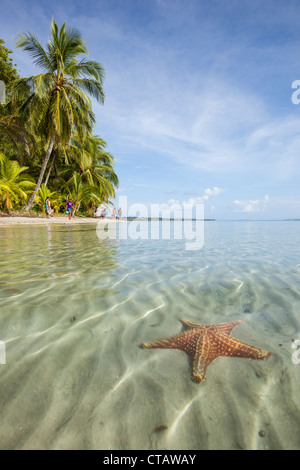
(28, 219)
(164, 219)
(39, 220)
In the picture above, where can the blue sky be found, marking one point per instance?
(198, 104)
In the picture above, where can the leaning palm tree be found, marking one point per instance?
(95, 164)
(14, 186)
(56, 101)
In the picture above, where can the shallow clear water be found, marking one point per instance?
(74, 310)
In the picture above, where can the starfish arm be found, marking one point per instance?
(202, 357)
(228, 346)
(189, 324)
(201, 354)
(164, 343)
(227, 327)
(185, 341)
(198, 371)
(161, 343)
(223, 327)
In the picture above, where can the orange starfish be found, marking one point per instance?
(204, 343)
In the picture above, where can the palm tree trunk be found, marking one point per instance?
(29, 204)
(76, 208)
(50, 169)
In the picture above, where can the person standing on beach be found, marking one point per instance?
(48, 208)
(103, 212)
(98, 211)
(114, 213)
(69, 208)
(119, 213)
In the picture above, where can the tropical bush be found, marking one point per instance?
(15, 186)
(56, 198)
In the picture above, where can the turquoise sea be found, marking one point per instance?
(74, 310)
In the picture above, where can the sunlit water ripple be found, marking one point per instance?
(74, 310)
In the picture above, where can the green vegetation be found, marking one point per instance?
(47, 143)
(8, 72)
(14, 186)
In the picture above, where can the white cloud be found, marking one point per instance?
(173, 202)
(208, 193)
(212, 192)
(177, 207)
(235, 135)
(252, 205)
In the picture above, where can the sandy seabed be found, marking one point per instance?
(74, 310)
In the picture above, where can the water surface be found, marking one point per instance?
(74, 310)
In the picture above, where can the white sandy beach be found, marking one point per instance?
(52, 220)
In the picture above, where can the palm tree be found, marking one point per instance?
(81, 192)
(14, 131)
(95, 164)
(58, 101)
(14, 186)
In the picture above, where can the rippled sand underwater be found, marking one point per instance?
(74, 310)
